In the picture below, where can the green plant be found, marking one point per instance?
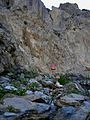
(31, 73)
(63, 80)
(2, 92)
(53, 96)
(21, 92)
(16, 84)
(33, 86)
(10, 108)
(24, 74)
(23, 81)
(12, 75)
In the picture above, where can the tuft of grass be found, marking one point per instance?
(16, 84)
(2, 92)
(24, 74)
(63, 80)
(19, 92)
(10, 108)
(33, 86)
(31, 73)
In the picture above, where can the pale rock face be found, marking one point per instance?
(41, 37)
(74, 35)
(72, 9)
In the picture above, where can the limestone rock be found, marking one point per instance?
(72, 9)
(25, 105)
(30, 34)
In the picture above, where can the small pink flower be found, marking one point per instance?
(53, 66)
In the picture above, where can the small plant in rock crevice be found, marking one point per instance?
(31, 73)
(10, 108)
(33, 86)
(20, 92)
(2, 92)
(23, 75)
(63, 79)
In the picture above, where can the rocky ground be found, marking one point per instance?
(32, 96)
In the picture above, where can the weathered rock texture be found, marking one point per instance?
(31, 34)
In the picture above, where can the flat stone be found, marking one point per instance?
(10, 87)
(23, 104)
(18, 103)
(9, 114)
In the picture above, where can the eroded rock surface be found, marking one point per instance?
(30, 34)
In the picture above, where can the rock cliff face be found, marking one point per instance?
(31, 34)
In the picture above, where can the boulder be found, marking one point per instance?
(24, 105)
(82, 113)
(71, 99)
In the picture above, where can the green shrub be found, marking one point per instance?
(10, 108)
(33, 86)
(63, 80)
(32, 73)
(16, 84)
(2, 92)
(20, 92)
